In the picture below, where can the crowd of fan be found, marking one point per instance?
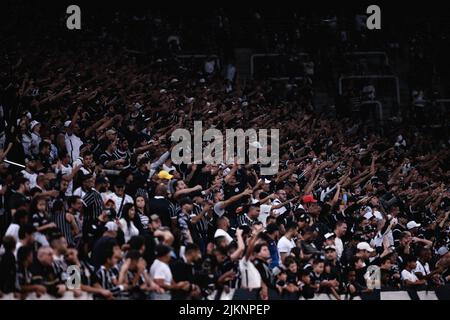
(86, 179)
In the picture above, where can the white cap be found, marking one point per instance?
(364, 246)
(174, 80)
(111, 226)
(162, 91)
(329, 235)
(412, 224)
(442, 251)
(202, 80)
(368, 215)
(67, 123)
(33, 124)
(378, 215)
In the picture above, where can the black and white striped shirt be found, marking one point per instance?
(244, 219)
(93, 205)
(201, 227)
(107, 280)
(59, 218)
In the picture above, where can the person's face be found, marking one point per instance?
(64, 184)
(117, 253)
(426, 255)
(87, 160)
(253, 212)
(140, 202)
(124, 145)
(131, 213)
(293, 267)
(318, 268)
(313, 209)
(265, 187)
(359, 264)
(180, 185)
(330, 255)
(387, 265)
(155, 224)
(282, 195)
(406, 239)
(341, 230)
(47, 257)
(29, 239)
(412, 264)
(352, 276)
(264, 253)
(27, 186)
(120, 190)
(72, 256)
(188, 207)
(77, 205)
(29, 259)
(220, 257)
(90, 183)
(41, 206)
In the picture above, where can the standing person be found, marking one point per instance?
(161, 206)
(183, 270)
(119, 197)
(286, 242)
(72, 141)
(340, 230)
(41, 219)
(24, 275)
(66, 221)
(140, 204)
(160, 272)
(127, 222)
(262, 256)
(106, 276)
(8, 266)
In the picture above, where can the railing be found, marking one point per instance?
(200, 56)
(253, 56)
(397, 86)
(378, 104)
(368, 54)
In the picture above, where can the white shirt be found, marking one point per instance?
(73, 144)
(79, 192)
(264, 211)
(128, 232)
(223, 233)
(278, 211)
(339, 247)
(35, 141)
(160, 270)
(251, 278)
(13, 231)
(285, 245)
(422, 268)
(32, 177)
(118, 200)
(66, 171)
(406, 275)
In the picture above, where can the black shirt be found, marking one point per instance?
(181, 271)
(161, 207)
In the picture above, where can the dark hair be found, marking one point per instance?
(19, 215)
(125, 214)
(35, 201)
(133, 255)
(191, 247)
(72, 200)
(259, 246)
(136, 242)
(19, 181)
(9, 243)
(26, 230)
(23, 253)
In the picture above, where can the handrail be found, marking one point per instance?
(362, 53)
(252, 58)
(372, 77)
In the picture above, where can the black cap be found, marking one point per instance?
(272, 227)
(162, 250)
(119, 182)
(100, 180)
(185, 200)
